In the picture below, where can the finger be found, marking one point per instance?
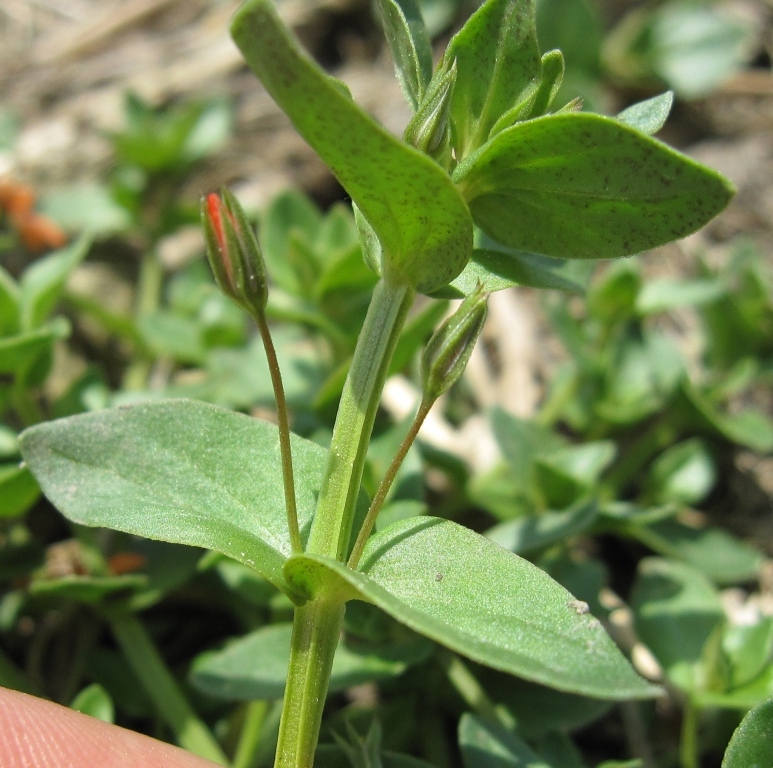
(36, 733)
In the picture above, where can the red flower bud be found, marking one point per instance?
(233, 251)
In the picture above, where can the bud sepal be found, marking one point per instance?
(448, 350)
(233, 252)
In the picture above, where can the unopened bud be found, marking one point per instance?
(233, 251)
(449, 349)
(575, 105)
(429, 128)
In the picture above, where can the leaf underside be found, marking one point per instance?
(181, 471)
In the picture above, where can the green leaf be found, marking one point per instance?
(676, 609)
(20, 351)
(750, 428)
(684, 474)
(585, 186)
(559, 22)
(179, 471)
(752, 743)
(636, 763)
(410, 45)
(419, 217)
(96, 702)
(568, 472)
(642, 375)
(528, 533)
(9, 303)
(552, 66)
(18, 490)
(714, 552)
(487, 745)
(558, 750)
(88, 589)
(255, 666)
(538, 710)
(426, 573)
(498, 68)
(521, 441)
(742, 698)
(665, 294)
(168, 334)
(210, 131)
(748, 648)
(86, 208)
(42, 284)
(613, 296)
(290, 213)
(648, 116)
(496, 270)
(9, 443)
(332, 756)
(695, 47)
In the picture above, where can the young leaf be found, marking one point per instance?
(462, 590)
(552, 75)
(410, 44)
(429, 129)
(498, 67)
(581, 186)
(648, 116)
(180, 471)
(422, 223)
(752, 742)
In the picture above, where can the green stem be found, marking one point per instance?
(147, 300)
(688, 748)
(386, 483)
(332, 524)
(249, 744)
(316, 629)
(284, 433)
(167, 697)
(468, 687)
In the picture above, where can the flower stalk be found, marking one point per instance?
(240, 272)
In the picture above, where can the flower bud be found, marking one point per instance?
(450, 347)
(429, 128)
(233, 251)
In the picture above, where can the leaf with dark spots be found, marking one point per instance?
(586, 186)
(391, 183)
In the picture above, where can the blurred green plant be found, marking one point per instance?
(599, 459)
